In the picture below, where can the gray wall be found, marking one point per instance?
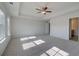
(27, 26)
(60, 24)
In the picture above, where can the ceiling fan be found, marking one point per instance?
(43, 10)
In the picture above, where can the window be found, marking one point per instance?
(2, 25)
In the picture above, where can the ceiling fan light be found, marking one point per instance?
(43, 12)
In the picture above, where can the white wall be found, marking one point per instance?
(60, 24)
(47, 28)
(6, 39)
(26, 26)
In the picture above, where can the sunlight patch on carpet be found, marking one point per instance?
(39, 42)
(28, 45)
(55, 51)
(27, 38)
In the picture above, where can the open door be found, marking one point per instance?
(73, 29)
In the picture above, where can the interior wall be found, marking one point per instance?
(74, 24)
(59, 27)
(47, 28)
(60, 24)
(25, 26)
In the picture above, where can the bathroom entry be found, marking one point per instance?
(73, 29)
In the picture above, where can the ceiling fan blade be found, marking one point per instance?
(38, 12)
(38, 9)
(49, 11)
(44, 13)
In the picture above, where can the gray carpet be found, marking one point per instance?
(29, 46)
(75, 38)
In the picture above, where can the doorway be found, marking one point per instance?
(73, 29)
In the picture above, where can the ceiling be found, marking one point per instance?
(24, 9)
